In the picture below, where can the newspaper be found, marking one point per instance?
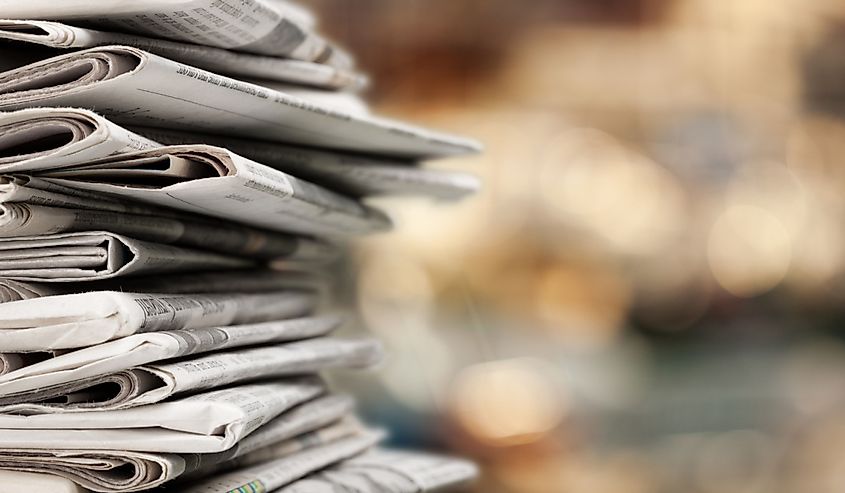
(342, 428)
(208, 422)
(100, 255)
(34, 206)
(165, 467)
(11, 290)
(343, 101)
(382, 470)
(34, 138)
(239, 281)
(349, 174)
(24, 219)
(274, 474)
(216, 182)
(10, 362)
(33, 371)
(240, 65)
(38, 482)
(123, 471)
(265, 27)
(136, 87)
(150, 384)
(84, 319)
(272, 439)
(285, 277)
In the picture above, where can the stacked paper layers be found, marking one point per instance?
(175, 176)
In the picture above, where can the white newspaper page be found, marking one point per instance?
(124, 471)
(37, 483)
(296, 277)
(236, 64)
(95, 470)
(274, 474)
(209, 422)
(317, 413)
(216, 182)
(34, 191)
(349, 174)
(227, 281)
(34, 206)
(343, 428)
(100, 255)
(132, 86)
(11, 290)
(343, 101)
(10, 362)
(255, 26)
(35, 138)
(154, 383)
(84, 319)
(40, 370)
(383, 470)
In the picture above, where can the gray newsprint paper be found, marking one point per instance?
(19, 219)
(342, 101)
(10, 362)
(238, 281)
(84, 319)
(266, 27)
(219, 183)
(382, 470)
(149, 384)
(135, 87)
(240, 65)
(34, 206)
(38, 138)
(29, 372)
(346, 426)
(350, 174)
(274, 474)
(100, 255)
(33, 482)
(315, 423)
(11, 290)
(53, 138)
(207, 422)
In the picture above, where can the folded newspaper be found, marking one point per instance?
(34, 371)
(207, 422)
(49, 138)
(37, 482)
(239, 281)
(152, 383)
(84, 319)
(125, 471)
(53, 138)
(384, 470)
(350, 174)
(216, 182)
(245, 65)
(136, 87)
(19, 219)
(100, 255)
(268, 27)
(33, 206)
(274, 474)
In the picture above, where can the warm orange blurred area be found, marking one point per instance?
(646, 296)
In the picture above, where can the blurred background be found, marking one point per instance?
(647, 296)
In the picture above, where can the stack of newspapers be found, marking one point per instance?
(175, 176)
